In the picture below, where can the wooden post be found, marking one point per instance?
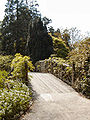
(26, 73)
(46, 66)
(40, 67)
(61, 72)
(51, 66)
(73, 73)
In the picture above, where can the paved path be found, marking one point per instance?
(55, 100)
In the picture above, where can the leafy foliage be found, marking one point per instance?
(80, 55)
(57, 66)
(81, 51)
(63, 69)
(15, 96)
(60, 48)
(5, 62)
(21, 65)
(3, 79)
(14, 100)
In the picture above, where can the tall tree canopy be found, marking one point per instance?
(41, 45)
(23, 30)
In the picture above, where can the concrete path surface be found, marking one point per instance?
(55, 100)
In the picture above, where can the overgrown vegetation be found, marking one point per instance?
(15, 96)
(24, 31)
(79, 56)
(57, 66)
(5, 62)
(14, 100)
(21, 65)
(60, 48)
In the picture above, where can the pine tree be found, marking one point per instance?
(14, 26)
(23, 30)
(41, 43)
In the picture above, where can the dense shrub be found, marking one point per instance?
(20, 67)
(3, 79)
(60, 48)
(15, 96)
(14, 100)
(80, 56)
(5, 62)
(63, 69)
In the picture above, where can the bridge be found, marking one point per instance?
(55, 100)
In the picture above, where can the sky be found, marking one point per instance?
(64, 13)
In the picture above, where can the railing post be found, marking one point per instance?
(73, 73)
(51, 66)
(62, 72)
(59, 72)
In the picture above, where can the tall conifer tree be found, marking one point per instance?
(22, 28)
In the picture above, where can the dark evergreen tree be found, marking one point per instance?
(23, 30)
(14, 26)
(41, 45)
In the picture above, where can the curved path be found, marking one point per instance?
(55, 100)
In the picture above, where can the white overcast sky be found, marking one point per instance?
(65, 13)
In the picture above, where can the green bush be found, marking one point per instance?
(14, 100)
(60, 48)
(21, 65)
(5, 62)
(3, 78)
(15, 96)
(80, 56)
